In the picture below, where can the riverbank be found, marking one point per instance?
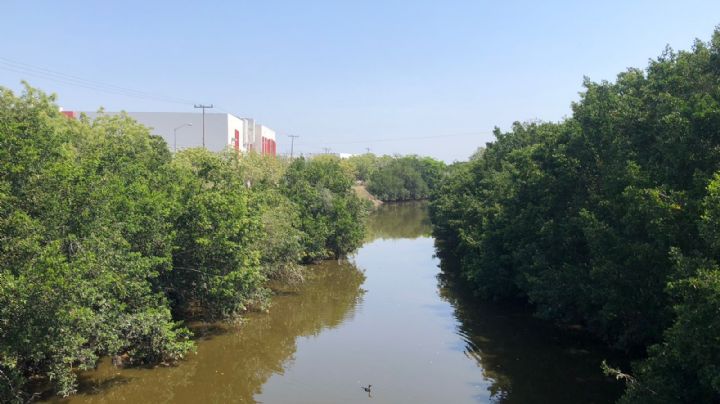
(362, 193)
(387, 317)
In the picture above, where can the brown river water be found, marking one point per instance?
(388, 317)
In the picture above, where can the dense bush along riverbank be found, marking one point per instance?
(107, 239)
(609, 219)
(397, 178)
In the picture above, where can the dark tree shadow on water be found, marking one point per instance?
(524, 359)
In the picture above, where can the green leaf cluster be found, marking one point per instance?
(331, 216)
(108, 241)
(85, 237)
(607, 219)
(398, 178)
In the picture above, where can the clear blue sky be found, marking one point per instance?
(349, 74)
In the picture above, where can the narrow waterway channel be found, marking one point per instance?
(385, 317)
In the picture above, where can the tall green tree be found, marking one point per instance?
(216, 262)
(331, 215)
(107, 239)
(80, 247)
(404, 178)
(603, 219)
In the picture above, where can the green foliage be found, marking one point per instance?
(402, 178)
(606, 219)
(329, 209)
(83, 240)
(685, 365)
(104, 235)
(215, 260)
(280, 242)
(365, 165)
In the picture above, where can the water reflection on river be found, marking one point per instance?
(382, 318)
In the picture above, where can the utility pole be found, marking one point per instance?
(368, 150)
(203, 108)
(292, 144)
(327, 150)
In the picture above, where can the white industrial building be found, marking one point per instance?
(222, 131)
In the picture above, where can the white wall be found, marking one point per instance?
(261, 132)
(235, 123)
(249, 132)
(219, 128)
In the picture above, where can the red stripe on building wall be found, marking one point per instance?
(268, 147)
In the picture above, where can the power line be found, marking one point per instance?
(225, 110)
(396, 139)
(51, 75)
(90, 87)
(20, 67)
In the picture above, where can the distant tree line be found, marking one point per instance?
(108, 241)
(609, 219)
(397, 178)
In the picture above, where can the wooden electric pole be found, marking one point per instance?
(292, 144)
(203, 108)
